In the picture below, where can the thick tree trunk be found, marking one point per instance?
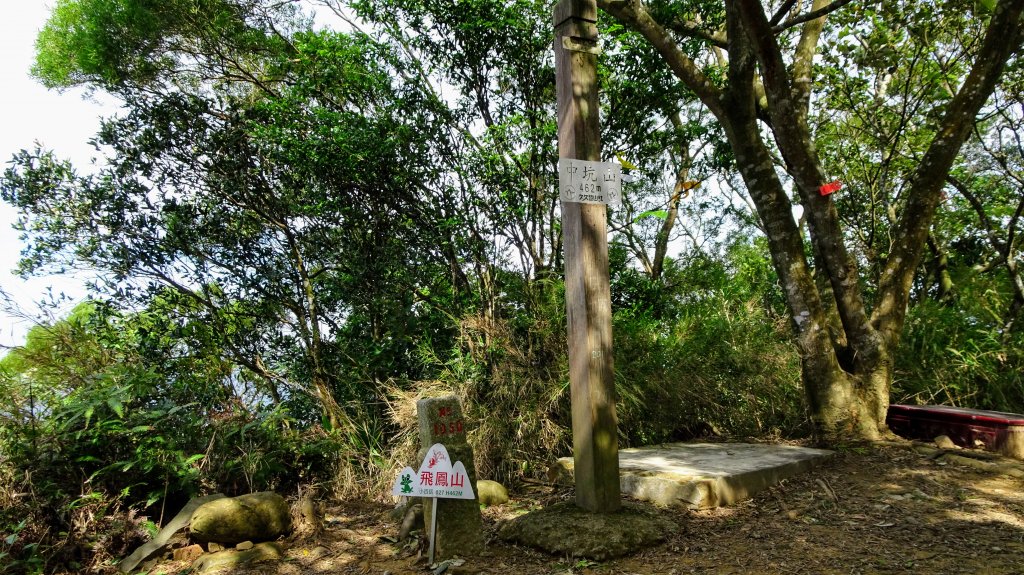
(841, 402)
(848, 398)
(842, 405)
(844, 400)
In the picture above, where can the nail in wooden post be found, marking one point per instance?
(587, 295)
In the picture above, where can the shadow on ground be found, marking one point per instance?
(876, 509)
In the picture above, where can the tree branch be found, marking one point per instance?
(803, 60)
(979, 209)
(786, 7)
(1002, 38)
(812, 15)
(635, 15)
(693, 30)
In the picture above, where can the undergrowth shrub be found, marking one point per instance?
(705, 349)
(93, 456)
(720, 368)
(44, 531)
(690, 357)
(80, 491)
(958, 355)
(511, 377)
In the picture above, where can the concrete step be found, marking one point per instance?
(704, 475)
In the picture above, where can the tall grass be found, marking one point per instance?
(958, 355)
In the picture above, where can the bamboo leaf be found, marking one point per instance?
(116, 405)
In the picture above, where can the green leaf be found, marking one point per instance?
(660, 214)
(11, 539)
(116, 405)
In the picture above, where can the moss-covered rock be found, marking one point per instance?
(491, 492)
(262, 516)
(270, 551)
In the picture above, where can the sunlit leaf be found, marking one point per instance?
(660, 214)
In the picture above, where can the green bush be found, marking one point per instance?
(95, 441)
(720, 366)
(958, 355)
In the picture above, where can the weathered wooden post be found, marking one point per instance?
(587, 295)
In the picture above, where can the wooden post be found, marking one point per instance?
(587, 295)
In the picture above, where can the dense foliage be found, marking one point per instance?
(297, 231)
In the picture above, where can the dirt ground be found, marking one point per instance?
(876, 509)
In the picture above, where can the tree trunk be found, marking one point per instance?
(842, 403)
(848, 398)
(940, 271)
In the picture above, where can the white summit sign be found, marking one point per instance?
(589, 182)
(438, 477)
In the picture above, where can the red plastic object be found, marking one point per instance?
(830, 188)
(996, 430)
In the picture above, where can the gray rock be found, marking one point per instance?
(401, 510)
(259, 516)
(411, 521)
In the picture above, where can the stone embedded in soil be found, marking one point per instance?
(564, 529)
(411, 520)
(459, 526)
(190, 553)
(269, 551)
(163, 538)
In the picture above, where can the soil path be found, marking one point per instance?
(879, 509)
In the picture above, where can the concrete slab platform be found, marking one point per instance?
(704, 475)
